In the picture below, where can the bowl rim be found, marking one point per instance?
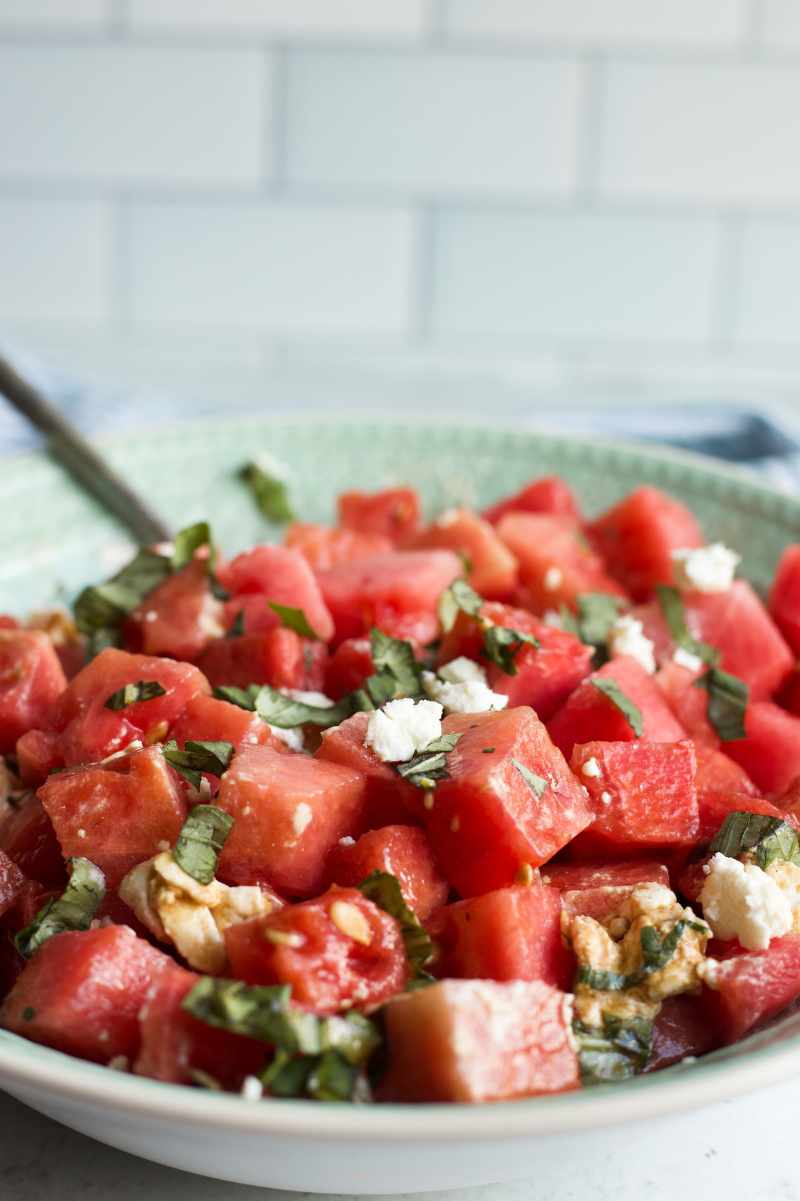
(31, 1067)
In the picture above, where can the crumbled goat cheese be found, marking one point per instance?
(292, 737)
(403, 728)
(318, 699)
(473, 696)
(553, 578)
(252, 1088)
(462, 671)
(686, 659)
(591, 769)
(301, 818)
(705, 568)
(741, 901)
(627, 637)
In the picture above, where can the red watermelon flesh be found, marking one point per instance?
(279, 574)
(688, 702)
(568, 877)
(492, 569)
(27, 836)
(209, 720)
(38, 753)
(179, 617)
(770, 750)
(753, 986)
(681, 1028)
(404, 852)
(31, 680)
(784, 597)
(12, 883)
(388, 798)
(393, 513)
(348, 667)
(279, 657)
(323, 547)
(550, 494)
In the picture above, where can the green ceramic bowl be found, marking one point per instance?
(53, 540)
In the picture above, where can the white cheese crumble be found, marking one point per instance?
(553, 578)
(318, 699)
(627, 637)
(473, 696)
(403, 728)
(301, 818)
(292, 737)
(462, 671)
(252, 1088)
(686, 659)
(705, 568)
(591, 769)
(741, 901)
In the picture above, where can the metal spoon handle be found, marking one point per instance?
(81, 460)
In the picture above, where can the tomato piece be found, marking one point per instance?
(489, 818)
(179, 617)
(27, 836)
(550, 494)
(175, 1045)
(116, 813)
(31, 680)
(82, 991)
(752, 986)
(323, 547)
(589, 715)
(546, 674)
(681, 1028)
(637, 536)
(388, 798)
(556, 563)
(404, 852)
(335, 951)
(278, 657)
(508, 934)
(784, 597)
(491, 567)
(290, 811)
(383, 590)
(770, 750)
(393, 513)
(439, 1049)
(206, 719)
(348, 667)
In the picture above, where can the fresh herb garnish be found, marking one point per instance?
(595, 614)
(727, 702)
(73, 910)
(270, 494)
(630, 711)
(293, 619)
(657, 950)
(198, 757)
(383, 889)
(237, 626)
(279, 710)
(501, 645)
(537, 784)
(769, 838)
(430, 764)
(397, 673)
(674, 613)
(188, 541)
(458, 598)
(201, 840)
(131, 694)
(618, 1051)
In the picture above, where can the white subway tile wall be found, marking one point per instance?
(580, 197)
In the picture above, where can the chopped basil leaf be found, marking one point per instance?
(604, 981)
(201, 840)
(458, 598)
(73, 910)
(269, 493)
(430, 764)
(631, 712)
(769, 837)
(672, 608)
(28, 1013)
(237, 627)
(727, 702)
(245, 698)
(501, 645)
(279, 710)
(487, 750)
(537, 784)
(293, 619)
(596, 614)
(618, 1051)
(131, 694)
(657, 950)
(383, 889)
(188, 542)
(397, 675)
(198, 757)
(101, 609)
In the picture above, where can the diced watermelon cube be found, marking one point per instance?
(335, 951)
(509, 800)
(439, 1049)
(12, 883)
(681, 1028)
(637, 536)
(784, 597)
(179, 617)
(206, 719)
(753, 986)
(491, 567)
(591, 716)
(393, 513)
(642, 794)
(289, 812)
(323, 547)
(550, 494)
(279, 657)
(545, 675)
(381, 590)
(388, 798)
(509, 934)
(276, 573)
(175, 1045)
(31, 680)
(568, 877)
(82, 992)
(117, 813)
(717, 773)
(348, 667)
(556, 563)
(770, 750)
(688, 702)
(38, 753)
(27, 836)
(789, 695)
(404, 852)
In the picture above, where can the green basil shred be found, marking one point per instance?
(73, 910)
(672, 608)
(430, 765)
(198, 757)
(383, 889)
(537, 784)
(595, 614)
(657, 950)
(200, 842)
(618, 1051)
(769, 838)
(293, 619)
(270, 494)
(727, 702)
(131, 694)
(631, 712)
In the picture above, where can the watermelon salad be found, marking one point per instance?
(501, 805)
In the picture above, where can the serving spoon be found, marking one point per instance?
(68, 446)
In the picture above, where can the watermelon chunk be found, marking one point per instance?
(591, 716)
(31, 680)
(688, 702)
(386, 588)
(117, 813)
(179, 617)
(770, 750)
(784, 597)
(27, 836)
(348, 667)
(206, 719)
(642, 793)
(439, 1050)
(279, 574)
(38, 753)
(681, 1028)
(82, 992)
(289, 812)
(637, 536)
(491, 567)
(404, 852)
(388, 798)
(753, 986)
(556, 563)
(550, 494)
(12, 883)
(568, 877)
(509, 800)
(175, 1045)
(323, 547)
(509, 934)
(278, 657)
(545, 675)
(393, 513)
(335, 951)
